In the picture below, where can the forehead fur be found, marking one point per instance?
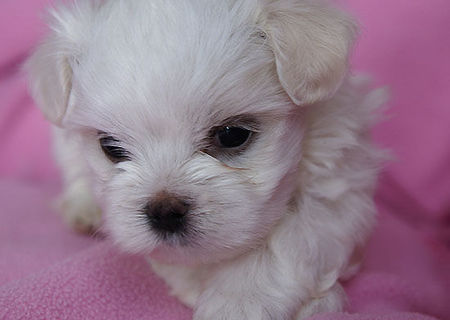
(173, 60)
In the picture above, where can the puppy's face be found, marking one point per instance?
(195, 183)
(193, 145)
(187, 118)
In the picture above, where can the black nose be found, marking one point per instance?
(167, 213)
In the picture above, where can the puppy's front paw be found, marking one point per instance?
(226, 307)
(229, 310)
(332, 300)
(80, 211)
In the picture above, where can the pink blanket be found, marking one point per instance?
(48, 272)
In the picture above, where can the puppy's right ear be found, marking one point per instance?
(50, 68)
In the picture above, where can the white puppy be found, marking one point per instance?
(222, 138)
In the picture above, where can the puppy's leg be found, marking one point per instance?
(330, 301)
(260, 289)
(259, 285)
(77, 202)
(184, 282)
(78, 207)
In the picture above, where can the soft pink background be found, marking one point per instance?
(48, 272)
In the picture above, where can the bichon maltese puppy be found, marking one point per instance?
(224, 139)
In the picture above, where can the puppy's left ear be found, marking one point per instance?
(311, 42)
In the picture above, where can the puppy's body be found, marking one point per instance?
(260, 230)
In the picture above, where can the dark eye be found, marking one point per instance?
(231, 137)
(112, 150)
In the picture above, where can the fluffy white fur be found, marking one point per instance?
(274, 227)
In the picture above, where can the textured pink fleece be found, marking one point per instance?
(48, 272)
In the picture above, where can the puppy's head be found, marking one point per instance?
(189, 114)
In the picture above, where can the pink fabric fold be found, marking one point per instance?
(98, 283)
